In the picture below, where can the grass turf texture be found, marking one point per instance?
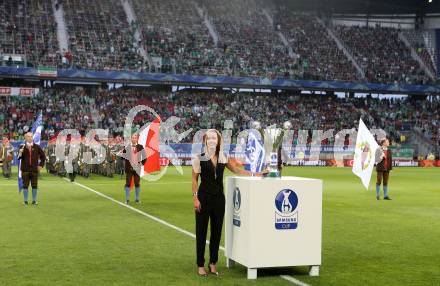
(75, 237)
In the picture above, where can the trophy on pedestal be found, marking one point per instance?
(276, 138)
(272, 140)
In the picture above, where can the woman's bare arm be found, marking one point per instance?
(236, 170)
(195, 181)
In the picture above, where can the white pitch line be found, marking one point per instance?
(190, 234)
(135, 210)
(294, 280)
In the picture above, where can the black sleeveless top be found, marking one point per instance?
(211, 178)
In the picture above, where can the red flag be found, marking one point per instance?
(132, 183)
(149, 139)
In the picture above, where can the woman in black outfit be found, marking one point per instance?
(209, 199)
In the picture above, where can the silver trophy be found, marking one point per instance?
(273, 140)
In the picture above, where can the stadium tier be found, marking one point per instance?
(80, 108)
(206, 37)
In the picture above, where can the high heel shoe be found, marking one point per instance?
(212, 272)
(201, 274)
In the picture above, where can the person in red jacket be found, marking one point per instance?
(135, 157)
(383, 168)
(32, 161)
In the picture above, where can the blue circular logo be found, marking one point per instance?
(286, 201)
(237, 199)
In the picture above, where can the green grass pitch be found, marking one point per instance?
(75, 237)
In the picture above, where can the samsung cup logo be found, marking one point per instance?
(286, 213)
(237, 206)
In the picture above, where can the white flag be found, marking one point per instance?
(364, 154)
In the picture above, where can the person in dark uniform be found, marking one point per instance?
(6, 157)
(209, 199)
(74, 148)
(84, 167)
(32, 161)
(135, 158)
(384, 166)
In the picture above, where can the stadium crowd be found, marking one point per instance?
(100, 37)
(83, 109)
(248, 41)
(325, 61)
(418, 41)
(27, 27)
(176, 37)
(382, 55)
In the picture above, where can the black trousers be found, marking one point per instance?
(72, 176)
(31, 177)
(212, 209)
(128, 177)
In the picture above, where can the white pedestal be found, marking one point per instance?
(273, 222)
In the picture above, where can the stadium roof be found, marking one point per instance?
(367, 6)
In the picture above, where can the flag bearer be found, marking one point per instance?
(32, 161)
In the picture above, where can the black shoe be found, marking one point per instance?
(212, 272)
(25, 203)
(137, 201)
(34, 203)
(127, 202)
(387, 198)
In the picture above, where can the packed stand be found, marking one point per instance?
(418, 42)
(319, 58)
(28, 29)
(381, 54)
(81, 109)
(100, 37)
(249, 44)
(176, 38)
